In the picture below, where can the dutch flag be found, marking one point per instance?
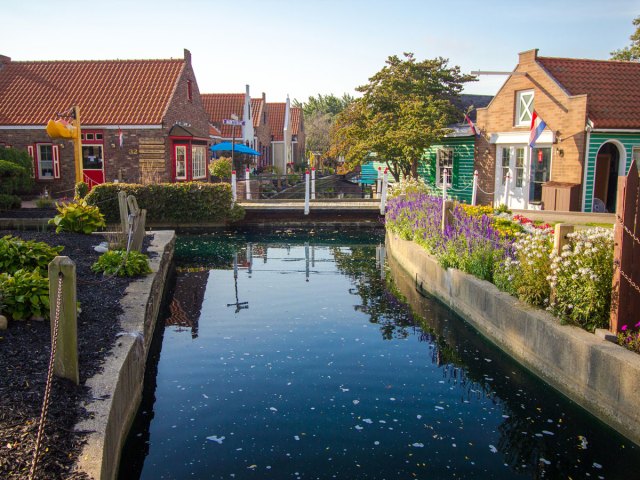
(120, 137)
(474, 129)
(537, 126)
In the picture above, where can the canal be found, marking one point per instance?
(288, 356)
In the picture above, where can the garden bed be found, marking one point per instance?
(24, 357)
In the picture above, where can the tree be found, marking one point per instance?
(632, 52)
(405, 108)
(319, 114)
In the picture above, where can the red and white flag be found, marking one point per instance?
(474, 129)
(120, 137)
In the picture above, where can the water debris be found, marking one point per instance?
(367, 420)
(597, 465)
(547, 432)
(356, 402)
(545, 461)
(296, 438)
(493, 449)
(417, 445)
(205, 395)
(215, 438)
(273, 409)
(583, 442)
(418, 417)
(358, 427)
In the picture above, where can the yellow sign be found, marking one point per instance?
(64, 129)
(60, 129)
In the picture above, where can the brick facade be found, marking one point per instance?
(565, 115)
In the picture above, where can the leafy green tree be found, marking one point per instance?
(324, 104)
(16, 176)
(632, 52)
(319, 114)
(405, 108)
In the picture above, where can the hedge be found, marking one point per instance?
(188, 202)
(12, 179)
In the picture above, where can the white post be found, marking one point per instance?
(234, 194)
(313, 183)
(306, 193)
(445, 180)
(248, 183)
(506, 189)
(379, 183)
(383, 197)
(474, 194)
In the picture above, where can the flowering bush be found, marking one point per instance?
(630, 338)
(477, 210)
(408, 186)
(469, 243)
(581, 276)
(524, 271)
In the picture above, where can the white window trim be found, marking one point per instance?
(530, 106)
(450, 173)
(184, 148)
(201, 161)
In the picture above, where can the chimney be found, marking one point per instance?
(187, 56)
(4, 60)
(528, 57)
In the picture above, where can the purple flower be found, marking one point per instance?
(623, 328)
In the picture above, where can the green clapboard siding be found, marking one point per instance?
(462, 182)
(596, 141)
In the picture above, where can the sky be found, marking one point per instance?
(304, 48)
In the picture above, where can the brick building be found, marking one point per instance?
(592, 112)
(142, 120)
(255, 132)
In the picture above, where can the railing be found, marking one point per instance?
(625, 300)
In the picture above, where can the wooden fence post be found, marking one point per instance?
(625, 299)
(138, 219)
(66, 359)
(560, 236)
(124, 213)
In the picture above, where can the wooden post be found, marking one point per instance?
(66, 359)
(447, 214)
(625, 300)
(138, 218)
(560, 236)
(124, 212)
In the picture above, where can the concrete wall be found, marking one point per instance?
(599, 375)
(117, 391)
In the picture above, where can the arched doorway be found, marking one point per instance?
(605, 184)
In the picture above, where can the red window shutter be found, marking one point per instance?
(56, 161)
(30, 150)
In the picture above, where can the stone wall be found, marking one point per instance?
(599, 375)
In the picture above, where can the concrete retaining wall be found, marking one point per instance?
(599, 375)
(117, 391)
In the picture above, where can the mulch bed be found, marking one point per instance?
(25, 348)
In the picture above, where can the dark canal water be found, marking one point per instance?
(306, 364)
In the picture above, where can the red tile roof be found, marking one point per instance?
(108, 92)
(613, 88)
(220, 106)
(257, 106)
(276, 120)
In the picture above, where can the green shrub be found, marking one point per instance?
(44, 202)
(582, 277)
(118, 262)
(221, 168)
(81, 189)
(188, 202)
(25, 294)
(17, 254)
(9, 202)
(78, 217)
(18, 180)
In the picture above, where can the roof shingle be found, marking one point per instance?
(276, 120)
(108, 92)
(220, 106)
(613, 88)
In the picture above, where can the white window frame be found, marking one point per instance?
(40, 174)
(182, 148)
(198, 162)
(439, 167)
(524, 115)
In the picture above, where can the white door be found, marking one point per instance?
(512, 180)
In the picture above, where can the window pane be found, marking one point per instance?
(181, 162)
(540, 163)
(92, 157)
(506, 156)
(444, 163)
(198, 159)
(519, 167)
(45, 161)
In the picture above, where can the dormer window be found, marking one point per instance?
(524, 108)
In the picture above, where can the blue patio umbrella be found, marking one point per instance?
(238, 148)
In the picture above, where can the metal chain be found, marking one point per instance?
(47, 390)
(626, 229)
(631, 282)
(486, 193)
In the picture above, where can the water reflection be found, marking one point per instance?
(331, 374)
